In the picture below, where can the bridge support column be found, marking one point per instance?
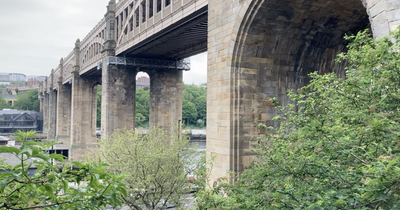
(52, 110)
(383, 15)
(165, 98)
(118, 98)
(45, 112)
(52, 116)
(45, 107)
(63, 113)
(83, 134)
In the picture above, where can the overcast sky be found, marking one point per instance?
(36, 34)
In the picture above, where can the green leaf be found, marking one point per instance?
(6, 149)
(57, 157)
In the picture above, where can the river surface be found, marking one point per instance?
(201, 145)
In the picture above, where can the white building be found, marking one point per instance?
(17, 77)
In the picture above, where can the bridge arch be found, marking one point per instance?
(273, 45)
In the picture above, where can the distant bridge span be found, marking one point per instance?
(257, 49)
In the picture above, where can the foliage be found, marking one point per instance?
(3, 103)
(337, 146)
(142, 98)
(156, 164)
(194, 104)
(27, 101)
(189, 112)
(50, 186)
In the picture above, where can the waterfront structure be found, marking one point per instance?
(12, 120)
(257, 50)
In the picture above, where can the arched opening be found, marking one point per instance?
(279, 44)
(259, 52)
(142, 100)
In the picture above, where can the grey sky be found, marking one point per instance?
(36, 34)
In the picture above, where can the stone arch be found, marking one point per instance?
(273, 45)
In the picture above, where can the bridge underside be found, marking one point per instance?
(182, 39)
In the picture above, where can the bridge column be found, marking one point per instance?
(52, 110)
(64, 113)
(45, 107)
(383, 15)
(118, 98)
(83, 103)
(63, 109)
(83, 133)
(165, 98)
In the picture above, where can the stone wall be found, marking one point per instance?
(384, 16)
(259, 49)
(165, 98)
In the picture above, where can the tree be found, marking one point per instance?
(156, 165)
(142, 106)
(189, 112)
(49, 186)
(27, 101)
(337, 146)
(201, 107)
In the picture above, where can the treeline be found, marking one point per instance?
(194, 106)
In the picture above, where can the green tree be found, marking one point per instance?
(142, 106)
(49, 186)
(27, 101)
(337, 146)
(156, 165)
(194, 103)
(201, 107)
(189, 112)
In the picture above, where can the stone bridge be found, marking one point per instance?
(257, 49)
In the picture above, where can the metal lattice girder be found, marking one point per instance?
(151, 63)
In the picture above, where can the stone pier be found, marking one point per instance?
(165, 98)
(118, 99)
(52, 115)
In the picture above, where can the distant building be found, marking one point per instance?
(27, 88)
(4, 77)
(17, 77)
(143, 82)
(34, 80)
(10, 99)
(12, 120)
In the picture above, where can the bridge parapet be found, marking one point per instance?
(91, 47)
(68, 67)
(56, 76)
(137, 20)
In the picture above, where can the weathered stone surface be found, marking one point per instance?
(260, 49)
(165, 98)
(83, 113)
(118, 99)
(63, 132)
(52, 110)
